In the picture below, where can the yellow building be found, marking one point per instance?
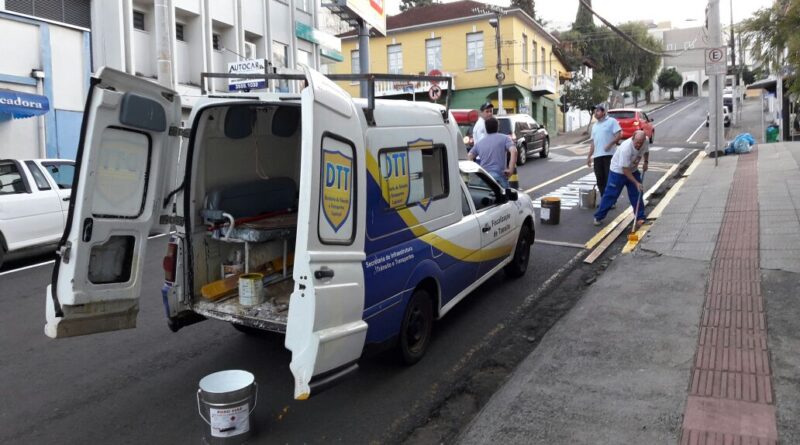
(456, 41)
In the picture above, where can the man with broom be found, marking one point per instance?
(625, 174)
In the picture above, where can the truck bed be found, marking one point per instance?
(270, 315)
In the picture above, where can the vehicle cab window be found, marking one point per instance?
(482, 190)
(11, 181)
(62, 173)
(38, 176)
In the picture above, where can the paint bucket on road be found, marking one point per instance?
(225, 401)
(550, 212)
(251, 289)
(587, 197)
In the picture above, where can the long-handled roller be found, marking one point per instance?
(633, 237)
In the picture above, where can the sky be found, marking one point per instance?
(620, 11)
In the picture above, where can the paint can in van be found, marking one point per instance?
(251, 289)
(225, 401)
(550, 211)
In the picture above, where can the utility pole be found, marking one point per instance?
(500, 76)
(363, 54)
(163, 26)
(715, 86)
(735, 88)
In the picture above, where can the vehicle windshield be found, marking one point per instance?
(505, 126)
(622, 114)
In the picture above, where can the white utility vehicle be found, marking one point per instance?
(34, 199)
(364, 217)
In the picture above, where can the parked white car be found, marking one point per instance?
(726, 116)
(34, 203)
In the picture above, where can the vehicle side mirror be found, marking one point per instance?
(486, 201)
(652, 120)
(502, 198)
(512, 195)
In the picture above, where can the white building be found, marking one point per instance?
(66, 40)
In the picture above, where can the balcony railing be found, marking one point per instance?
(387, 88)
(542, 83)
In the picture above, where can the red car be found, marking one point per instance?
(632, 119)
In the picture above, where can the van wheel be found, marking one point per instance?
(522, 253)
(545, 149)
(417, 327)
(522, 156)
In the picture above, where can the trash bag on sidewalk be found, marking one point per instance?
(742, 143)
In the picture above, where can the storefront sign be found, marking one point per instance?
(21, 105)
(252, 66)
(371, 11)
(329, 46)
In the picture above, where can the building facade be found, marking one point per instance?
(50, 48)
(452, 39)
(45, 64)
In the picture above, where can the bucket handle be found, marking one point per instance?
(200, 411)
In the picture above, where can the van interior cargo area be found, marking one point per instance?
(244, 198)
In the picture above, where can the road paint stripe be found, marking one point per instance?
(655, 148)
(544, 184)
(32, 266)
(27, 267)
(675, 113)
(630, 245)
(675, 150)
(558, 243)
(695, 132)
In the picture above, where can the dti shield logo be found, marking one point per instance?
(337, 188)
(395, 176)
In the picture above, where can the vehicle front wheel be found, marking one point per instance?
(522, 155)
(522, 253)
(545, 149)
(417, 327)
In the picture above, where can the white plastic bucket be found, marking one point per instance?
(251, 289)
(587, 197)
(225, 401)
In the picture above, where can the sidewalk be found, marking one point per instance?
(582, 134)
(692, 339)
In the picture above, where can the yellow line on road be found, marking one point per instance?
(555, 179)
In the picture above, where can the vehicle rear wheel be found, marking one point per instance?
(652, 135)
(417, 327)
(519, 264)
(545, 149)
(522, 156)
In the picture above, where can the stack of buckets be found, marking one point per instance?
(225, 401)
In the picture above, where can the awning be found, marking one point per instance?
(21, 105)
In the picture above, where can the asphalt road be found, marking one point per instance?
(139, 386)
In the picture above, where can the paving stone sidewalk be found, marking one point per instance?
(692, 339)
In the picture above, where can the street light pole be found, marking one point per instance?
(495, 22)
(363, 54)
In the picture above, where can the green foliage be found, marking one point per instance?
(772, 32)
(405, 5)
(583, 94)
(584, 21)
(636, 91)
(622, 62)
(669, 79)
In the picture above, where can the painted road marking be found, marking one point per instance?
(656, 148)
(544, 184)
(569, 193)
(695, 132)
(675, 150)
(675, 113)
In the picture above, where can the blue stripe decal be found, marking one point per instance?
(19, 80)
(87, 62)
(47, 66)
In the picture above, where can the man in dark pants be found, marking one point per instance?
(606, 132)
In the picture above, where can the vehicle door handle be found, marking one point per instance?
(485, 228)
(65, 199)
(323, 273)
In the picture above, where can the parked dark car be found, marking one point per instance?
(527, 134)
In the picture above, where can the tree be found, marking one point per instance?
(636, 91)
(623, 63)
(584, 20)
(772, 32)
(529, 6)
(583, 94)
(405, 5)
(669, 79)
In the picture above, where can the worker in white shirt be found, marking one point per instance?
(479, 130)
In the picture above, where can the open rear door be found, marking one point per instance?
(325, 330)
(126, 160)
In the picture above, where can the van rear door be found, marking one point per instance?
(325, 330)
(126, 161)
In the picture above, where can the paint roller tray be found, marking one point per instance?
(270, 315)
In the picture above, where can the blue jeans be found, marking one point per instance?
(613, 189)
(500, 178)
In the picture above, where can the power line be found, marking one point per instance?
(622, 34)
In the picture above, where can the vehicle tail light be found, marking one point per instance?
(170, 261)
(635, 123)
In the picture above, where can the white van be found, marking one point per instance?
(367, 223)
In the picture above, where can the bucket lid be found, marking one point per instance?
(252, 276)
(551, 199)
(226, 381)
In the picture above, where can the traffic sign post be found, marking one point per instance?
(716, 61)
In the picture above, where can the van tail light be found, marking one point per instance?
(170, 261)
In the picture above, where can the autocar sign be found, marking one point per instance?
(251, 66)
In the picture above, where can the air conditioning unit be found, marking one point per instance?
(249, 50)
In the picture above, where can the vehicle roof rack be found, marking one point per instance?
(370, 78)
